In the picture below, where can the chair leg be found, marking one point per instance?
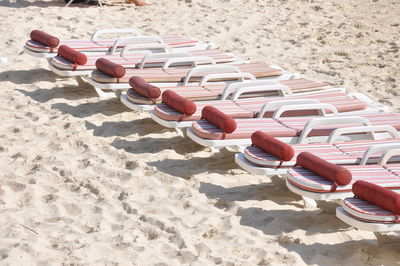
(100, 3)
(70, 1)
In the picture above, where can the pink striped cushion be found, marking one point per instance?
(245, 127)
(308, 180)
(358, 148)
(367, 212)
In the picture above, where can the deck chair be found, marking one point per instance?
(224, 94)
(70, 2)
(318, 179)
(133, 56)
(373, 208)
(183, 76)
(264, 156)
(43, 45)
(356, 103)
(226, 131)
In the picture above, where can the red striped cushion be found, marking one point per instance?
(377, 195)
(72, 55)
(44, 38)
(179, 103)
(338, 174)
(110, 68)
(219, 119)
(272, 145)
(143, 88)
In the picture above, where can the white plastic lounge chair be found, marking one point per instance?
(258, 161)
(310, 185)
(133, 56)
(209, 90)
(366, 212)
(355, 103)
(178, 76)
(105, 46)
(209, 93)
(287, 129)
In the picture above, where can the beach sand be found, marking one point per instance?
(87, 181)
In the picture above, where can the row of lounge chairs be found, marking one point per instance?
(324, 141)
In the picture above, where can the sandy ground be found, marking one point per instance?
(86, 181)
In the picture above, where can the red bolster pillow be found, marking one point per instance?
(72, 55)
(272, 145)
(379, 196)
(338, 174)
(143, 88)
(218, 118)
(110, 68)
(44, 38)
(178, 103)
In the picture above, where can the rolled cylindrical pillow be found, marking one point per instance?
(178, 103)
(272, 145)
(143, 88)
(72, 55)
(219, 119)
(379, 196)
(336, 173)
(44, 38)
(110, 68)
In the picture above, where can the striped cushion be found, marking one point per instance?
(358, 148)
(177, 74)
(245, 127)
(324, 130)
(105, 45)
(131, 60)
(367, 212)
(325, 151)
(308, 180)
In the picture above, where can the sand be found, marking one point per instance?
(87, 181)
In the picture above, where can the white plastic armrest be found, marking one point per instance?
(193, 60)
(273, 105)
(241, 75)
(394, 151)
(313, 123)
(365, 129)
(378, 148)
(152, 58)
(321, 107)
(145, 46)
(281, 89)
(205, 70)
(96, 34)
(233, 87)
(120, 41)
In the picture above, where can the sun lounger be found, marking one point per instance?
(356, 103)
(178, 76)
(264, 157)
(318, 179)
(374, 208)
(132, 56)
(46, 46)
(210, 132)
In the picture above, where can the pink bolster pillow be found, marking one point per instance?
(110, 68)
(178, 103)
(44, 38)
(72, 55)
(379, 196)
(336, 173)
(143, 88)
(272, 145)
(219, 119)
